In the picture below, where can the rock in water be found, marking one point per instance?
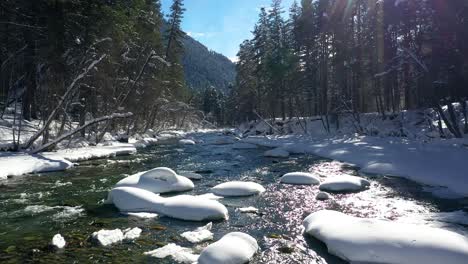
(360, 240)
(345, 183)
(233, 248)
(276, 153)
(238, 188)
(323, 196)
(300, 178)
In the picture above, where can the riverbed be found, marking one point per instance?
(34, 208)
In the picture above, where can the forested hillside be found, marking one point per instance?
(332, 57)
(205, 68)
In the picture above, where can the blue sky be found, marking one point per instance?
(221, 25)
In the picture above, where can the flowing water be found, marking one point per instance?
(34, 208)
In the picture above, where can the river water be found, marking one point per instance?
(34, 208)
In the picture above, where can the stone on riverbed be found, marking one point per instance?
(184, 207)
(276, 153)
(322, 196)
(344, 183)
(158, 180)
(200, 234)
(300, 178)
(238, 188)
(360, 240)
(233, 248)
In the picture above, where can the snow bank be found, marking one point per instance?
(276, 153)
(360, 240)
(158, 180)
(344, 183)
(144, 142)
(233, 248)
(20, 164)
(200, 234)
(238, 188)
(302, 178)
(178, 253)
(58, 241)
(97, 152)
(427, 163)
(185, 207)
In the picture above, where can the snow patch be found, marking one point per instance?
(58, 241)
(200, 234)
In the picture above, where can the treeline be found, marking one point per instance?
(339, 56)
(79, 60)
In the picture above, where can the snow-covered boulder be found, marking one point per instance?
(58, 241)
(193, 208)
(107, 237)
(199, 235)
(233, 248)
(276, 153)
(241, 145)
(186, 142)
(344, 183)
(177, 253)
(184, 207)
(360, 240)
(158, 180)
(321, 196)
(300, 178)
(238, 188)
(191, 175)
(249, 209)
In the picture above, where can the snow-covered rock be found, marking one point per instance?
(344, 183)
(145, 142)
(323, 196)
(238, 188)
(241, 145)
(58, 241)
(132, 233)
(177, 253)
(360, 240)
(158, 180)
(200, 234)
(300, 178)
(19, 164)
(191, 175)
(185, 207)
(108, 237)
(186, 142)
(143, 215)
(233, 248)
(95, 152)
(276, 153)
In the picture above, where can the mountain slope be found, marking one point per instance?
(205, 68)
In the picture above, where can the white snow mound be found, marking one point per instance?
(233, 248)
(344, 183)
(238, 188)
(276, 153)
(360, 240)
(58, 241)
(158, 180)
(200, 234)
(300, 178)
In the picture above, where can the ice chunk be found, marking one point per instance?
(238, 188)
(199, 235)
(360, 240)
(301, 178)
(108, 237)
(178, 253)
(132, 233)
(233, 248)
(249, 209)
(143, 215)
(58, 241)
(344, 183)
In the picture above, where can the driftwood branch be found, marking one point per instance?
(87, 124)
